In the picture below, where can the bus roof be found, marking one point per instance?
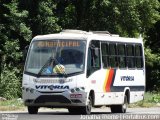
(83, 35)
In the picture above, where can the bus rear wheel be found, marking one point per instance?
(120, 108)
(32, 110)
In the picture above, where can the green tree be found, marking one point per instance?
(152, 44)
(41, 16)
(152, 70)
(153, 37)
(125, 17)
(153, 57)
(13, 31)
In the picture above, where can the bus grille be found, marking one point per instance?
(52, 98)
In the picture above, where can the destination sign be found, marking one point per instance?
(58, 44)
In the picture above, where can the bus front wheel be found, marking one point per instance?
(32, 110)
(87, 109)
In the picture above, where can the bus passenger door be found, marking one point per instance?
(95, 79)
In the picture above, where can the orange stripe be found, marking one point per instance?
(105, 82)
(109, 81)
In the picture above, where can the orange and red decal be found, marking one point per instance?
(109, 80)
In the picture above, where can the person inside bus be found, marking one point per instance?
(79, 60)
(48, 69)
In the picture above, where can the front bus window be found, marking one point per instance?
(55, 57)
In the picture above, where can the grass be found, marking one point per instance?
(152, 99)
(12, 105)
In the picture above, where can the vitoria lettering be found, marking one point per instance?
(127, 78)
(52, 87)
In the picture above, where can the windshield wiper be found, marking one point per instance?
(51, 59)
(44, 66)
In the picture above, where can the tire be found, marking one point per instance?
(32, 110)
(114, 108)
(74, 110)
(86, 110)
(120, 108)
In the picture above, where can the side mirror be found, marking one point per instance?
(25, 52)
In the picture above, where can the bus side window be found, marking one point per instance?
(130, 56)
(93, 60)
(104, 49)
(138, 56)
(113, 55)
(121, 55)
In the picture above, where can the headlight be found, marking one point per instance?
(77, 89)
(72, 90)
(31, 90)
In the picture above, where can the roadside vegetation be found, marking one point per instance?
(151, 99)
(12, 105)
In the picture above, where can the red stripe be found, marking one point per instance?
(109, 81)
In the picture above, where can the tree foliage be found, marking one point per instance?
(41, 16)
(10, 82)
(152, 70)
(20, 20)
(13, 33)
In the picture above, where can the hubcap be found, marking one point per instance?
(124, 106)
(89, 106)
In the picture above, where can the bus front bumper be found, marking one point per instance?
(54, 99)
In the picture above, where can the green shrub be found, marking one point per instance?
(10, 83)
(152, 97)
(155, 98)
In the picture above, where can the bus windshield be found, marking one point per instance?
(52, 57)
